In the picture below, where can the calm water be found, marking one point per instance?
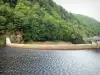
(14, 61)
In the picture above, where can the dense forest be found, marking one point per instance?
(42, 20)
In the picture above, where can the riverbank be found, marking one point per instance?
(54, 46)
(2, 41)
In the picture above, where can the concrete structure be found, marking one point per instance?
(8, 42)
(54, 47)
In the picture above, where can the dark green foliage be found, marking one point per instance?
(11, 2)
(42, 20)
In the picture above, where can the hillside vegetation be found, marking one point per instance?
(42, 20)
(89, 21)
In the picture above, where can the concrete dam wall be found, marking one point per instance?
(54, 47)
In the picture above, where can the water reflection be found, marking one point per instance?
(96, 51)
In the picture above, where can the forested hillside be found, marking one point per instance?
(89, 21)
(42, 20)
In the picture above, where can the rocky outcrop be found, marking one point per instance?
(16, 37)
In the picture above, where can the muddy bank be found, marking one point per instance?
(2, 44)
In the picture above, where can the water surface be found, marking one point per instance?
(15, 61)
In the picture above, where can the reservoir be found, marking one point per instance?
(17, 61)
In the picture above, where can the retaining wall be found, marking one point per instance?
(54, 47)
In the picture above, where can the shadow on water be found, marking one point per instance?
(96, 51)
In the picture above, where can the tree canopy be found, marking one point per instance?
(42, 20)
